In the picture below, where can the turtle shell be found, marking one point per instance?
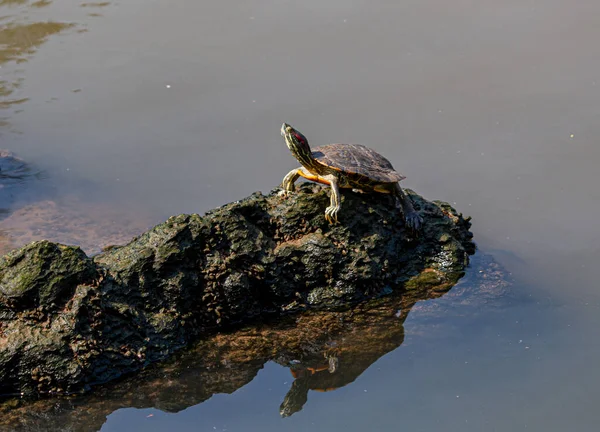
(357, 159)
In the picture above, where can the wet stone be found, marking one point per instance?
(88, 320)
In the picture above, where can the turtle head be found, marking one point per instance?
(296, 142)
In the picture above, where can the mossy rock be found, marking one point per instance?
(43, 274)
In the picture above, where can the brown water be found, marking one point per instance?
(163, 107)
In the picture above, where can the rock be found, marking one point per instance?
(97, 319)
(323, 350)
(43, 275)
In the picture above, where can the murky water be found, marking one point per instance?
(154, 108)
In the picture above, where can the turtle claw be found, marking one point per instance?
(331, 213)
(414, 221)
(284, 193)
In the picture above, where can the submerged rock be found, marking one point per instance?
(14, 175)
(34, 206)
(94, 320)
(71, 220)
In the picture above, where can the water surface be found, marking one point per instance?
(156, 108)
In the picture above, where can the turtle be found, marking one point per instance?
(352, 166)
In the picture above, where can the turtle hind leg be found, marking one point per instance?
(412, 219)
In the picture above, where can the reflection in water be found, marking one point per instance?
(41, 3)
(18, 41)
(21, 40)
(95, 4)
(12, 2)
(323, 350)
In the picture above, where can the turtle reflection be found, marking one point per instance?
(364, 336)
(319, 378)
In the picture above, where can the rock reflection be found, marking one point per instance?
(323, 351)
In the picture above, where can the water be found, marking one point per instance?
(156, 108)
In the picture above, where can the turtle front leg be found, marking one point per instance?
(331, 212)
(288, 182)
